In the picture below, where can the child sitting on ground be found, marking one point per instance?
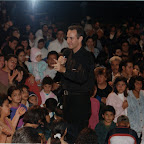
(122, 134)
(24, 95)
(103, 127)
(33, 99)
(46, 92)
(37, 66)
(14, 96)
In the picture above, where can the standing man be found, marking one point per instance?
(77, 71)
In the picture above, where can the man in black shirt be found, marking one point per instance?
(77, 69)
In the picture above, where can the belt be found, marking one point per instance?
(66, 92)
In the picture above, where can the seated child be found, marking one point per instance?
(122, 134)
(7, 126)
(54, 111)
(103, 127)
(37, 66)
(24, 95)
(14, 96)
(46, 92)
(58, 132)
(33, 99)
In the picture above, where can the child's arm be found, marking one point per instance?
(20, 111)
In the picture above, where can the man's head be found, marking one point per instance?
(60, 34)
(45, 28)
(123, 121)
(89, 42)
(114, 62)
(11, 62)
(127, 67)
(74, 37)
(13, 41)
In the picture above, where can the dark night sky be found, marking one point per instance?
(72, 12)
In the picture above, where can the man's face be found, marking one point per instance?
(13, 44)
(115, 66)
(73, 41)
(125, 47)
(90, 43)
(51, 61)
(11, 63)
(60, 35)
(25, 43)
(45, 28)
(129, 69)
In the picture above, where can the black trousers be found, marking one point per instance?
(77, 111)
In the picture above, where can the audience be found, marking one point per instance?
(28, 80)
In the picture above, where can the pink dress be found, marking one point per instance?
(94, 119)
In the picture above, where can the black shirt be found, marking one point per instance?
(79, 75)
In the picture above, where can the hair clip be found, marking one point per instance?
(58, 135)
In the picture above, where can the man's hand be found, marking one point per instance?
(59, 67)
(62, 60)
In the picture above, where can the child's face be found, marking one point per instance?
(138, 85)
(39, 58)
(115, 66)
(108, 117)
(16, 96)
(101, 79)
(40, 45)
(33, 100)
(24, 94)
(47, 88)
(121, 86)
(5, 109)
(118, 52)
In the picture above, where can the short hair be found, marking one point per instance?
(51, 104)
(26, 135)
(133, 80)
(12, 89)
(3, 97)
(78, 28)
(24, 38)
(19, 51)
(9, 56)
(108, 108)
(41, 40)
(87, 136)
(124, 63)
(52, 53)
(23, 86)
(33, 115)
(47, 80)
(58, 127)
(89, 37)
(100, 71)
(115, 58)
(118, 79)
(11, 39)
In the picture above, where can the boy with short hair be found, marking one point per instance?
(122, 134)
(103, 127)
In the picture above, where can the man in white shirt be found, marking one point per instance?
(58, 44)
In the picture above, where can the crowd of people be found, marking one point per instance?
(83, 86)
